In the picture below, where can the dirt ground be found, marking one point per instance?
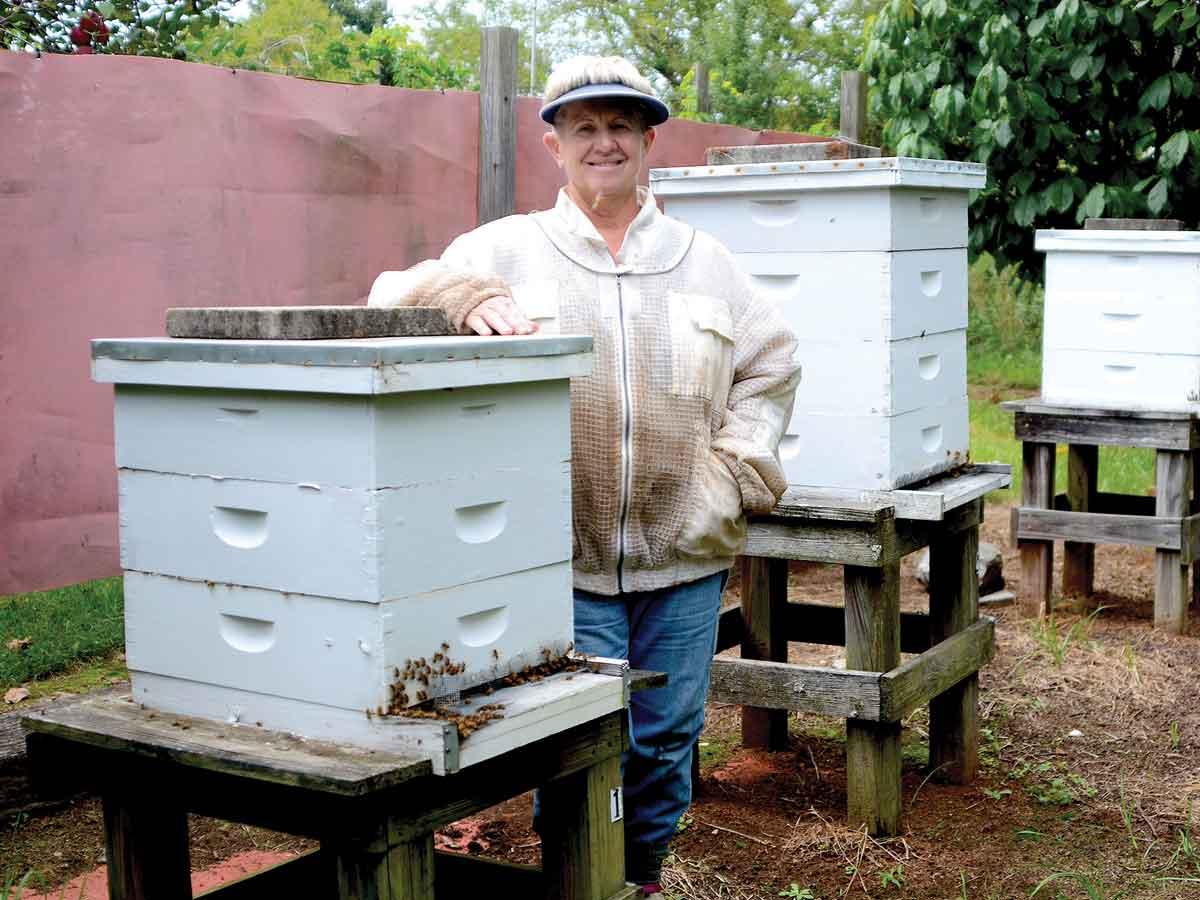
(1090, 775)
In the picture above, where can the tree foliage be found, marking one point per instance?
(137, 27)
(307, 38)
(1080, 109)
(773, 63)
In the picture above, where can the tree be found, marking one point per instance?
(1080, 109)
(773, 63)
(136, 27)
(306, 38)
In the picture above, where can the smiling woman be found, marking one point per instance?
(674, 434)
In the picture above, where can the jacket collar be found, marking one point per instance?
(653, 242)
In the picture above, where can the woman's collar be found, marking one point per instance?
(653, 242)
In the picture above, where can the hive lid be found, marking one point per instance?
(832, 174)
(367, 366)
(1098, 241)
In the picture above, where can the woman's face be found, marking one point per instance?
(601, 148)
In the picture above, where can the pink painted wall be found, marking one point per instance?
(128, 185)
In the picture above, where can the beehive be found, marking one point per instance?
(1122, 318)
(314, 529)
(867, 259)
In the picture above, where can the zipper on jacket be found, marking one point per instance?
(626, 441)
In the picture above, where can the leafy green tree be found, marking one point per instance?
(306, 38)
(136, 27)
(1080, 109)
(362, 15)
(773, 63)
(289, 37)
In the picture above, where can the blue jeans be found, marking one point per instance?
(673, 630)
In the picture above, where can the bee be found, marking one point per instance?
(445, 646)
(495, 653)
(424, 679)
(437, 657)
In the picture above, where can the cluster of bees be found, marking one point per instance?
(550, 665)
(420, 670)
(440, 664)
(464, 722)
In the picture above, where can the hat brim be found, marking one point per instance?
(657, 112)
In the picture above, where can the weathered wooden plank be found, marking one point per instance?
(1162, 431)
(929, 501)
(852, 122)
(941, 668)
(1036, 405)
(953, 613)
(913, 534)
(1119, 504)
(497, 185)
(460, 875)
(1194, 529)
(117, 724)
(1173, 493)
(1037, 557)
(1079, 565)
(383, 870)
(442, 800)
(809, 151)
(782, 686)
(867, 539)
(810, 505)
(1132, 225)
(818, 623)
(873, 748)
(146, 846)
(583, 847)
(305, 323)
(764, 603)
(1096, 528)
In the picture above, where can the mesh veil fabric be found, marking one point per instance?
(701, 364)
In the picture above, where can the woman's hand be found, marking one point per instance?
(498, 315)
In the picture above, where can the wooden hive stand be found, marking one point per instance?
(1083, 516)
(374, 812)
(867, 532)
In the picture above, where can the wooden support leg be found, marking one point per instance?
(1173, 490)
(1037, 557)
(583, 843)
(953, 605)
(147, 847)
(1079, 560)
(873, 748)
(1195, 509)
(397, 867)
(764, 607)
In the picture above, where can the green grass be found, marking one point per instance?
(62, 627)
(1004, 362)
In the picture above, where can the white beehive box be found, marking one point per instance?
(867, 260)
(303, 521)
(1122, 318)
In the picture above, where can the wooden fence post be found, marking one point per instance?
(703, 104)
(497, 124)
(853, 121)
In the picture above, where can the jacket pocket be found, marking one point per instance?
(714, 525)
(701, 347)
(538, 299)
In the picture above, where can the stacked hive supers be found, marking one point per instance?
(314, 529)
(1122, 319)
(867, 260)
